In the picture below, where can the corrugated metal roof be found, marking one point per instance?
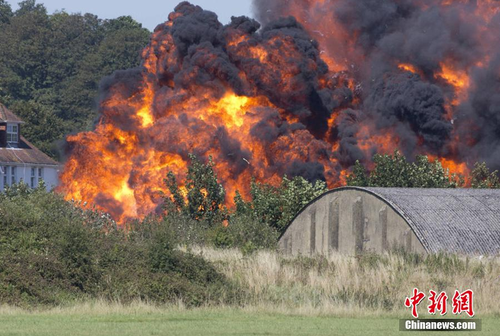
(26, 153)
(453, 220)
(7, 116)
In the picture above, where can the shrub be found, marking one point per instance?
(187, 230)
(51, 252)
(221, 238)
(276, 206)
(191, 278)
(249, 233)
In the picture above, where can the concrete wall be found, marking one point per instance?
(23, 172)
(351, 222)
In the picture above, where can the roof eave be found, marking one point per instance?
(5, 163)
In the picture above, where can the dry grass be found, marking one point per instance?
(96, 308)
(345, 285)
(339, 285)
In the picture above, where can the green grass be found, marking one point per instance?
(200, 322)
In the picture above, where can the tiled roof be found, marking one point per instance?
(454, 220)
(7, 116)
(26, 153)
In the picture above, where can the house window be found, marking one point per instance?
(40, 174)
(33, 177)
(13, 177)
(5, 172)
(12, 134)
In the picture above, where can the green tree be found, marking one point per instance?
(42, 124)
(30, 6)
(482, 178)
(51, 66)
(394, 171)
(205, 195)
(5, 12)
(359, 176)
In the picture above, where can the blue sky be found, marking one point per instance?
(148, 12)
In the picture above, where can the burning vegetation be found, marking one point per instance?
(319, 85)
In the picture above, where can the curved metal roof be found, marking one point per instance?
(452, 220)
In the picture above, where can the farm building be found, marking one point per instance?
(19, 159)
(354, 220)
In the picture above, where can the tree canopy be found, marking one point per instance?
(51, 66)
(395, 171)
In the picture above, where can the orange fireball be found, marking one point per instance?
(318, 86)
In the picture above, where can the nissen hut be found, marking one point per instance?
(358, 220)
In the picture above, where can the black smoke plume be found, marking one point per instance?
(425, 34)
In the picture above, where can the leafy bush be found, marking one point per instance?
(52, 251)
(250, 234)
(45, 246)
(276, 206)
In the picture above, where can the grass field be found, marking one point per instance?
(144, 320)
(339, 295)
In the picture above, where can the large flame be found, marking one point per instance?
(299, 98)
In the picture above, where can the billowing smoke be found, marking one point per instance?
(319, 85)
(428, 69)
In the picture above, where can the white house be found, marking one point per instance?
(19, 159)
